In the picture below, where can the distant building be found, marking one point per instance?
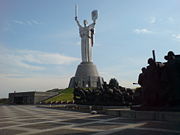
(32, 97)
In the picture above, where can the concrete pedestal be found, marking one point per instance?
(86, 76)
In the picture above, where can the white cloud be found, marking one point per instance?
(30, 59)
(171, 19)
(10, 59)
(18, 22)
(46, 58)
(28, 66)
(176, 37)
(22, 70)
(27, 22)
(11, 75)
(35, 21)
(142, 31)
(152, 20)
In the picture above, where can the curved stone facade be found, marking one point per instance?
(86, 76)
(86, 69)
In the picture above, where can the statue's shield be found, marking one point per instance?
(94, 15)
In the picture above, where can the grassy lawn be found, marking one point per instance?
(64, 95)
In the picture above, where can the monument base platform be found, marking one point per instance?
(86, 76)
(121, 111)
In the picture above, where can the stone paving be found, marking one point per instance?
(31, 120)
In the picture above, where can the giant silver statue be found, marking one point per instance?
(86, 33)
(86, 73)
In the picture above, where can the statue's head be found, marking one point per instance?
(151, 61)
(85, 22)
(143, 70)
(170, 56)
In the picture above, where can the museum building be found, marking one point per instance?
(31, 97)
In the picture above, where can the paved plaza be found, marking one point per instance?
(31, 120)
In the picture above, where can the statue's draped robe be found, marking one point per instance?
(86, 42)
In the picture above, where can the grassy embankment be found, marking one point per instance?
(65, 95)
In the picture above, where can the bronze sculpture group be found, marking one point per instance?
(160, 82)
(110, 95)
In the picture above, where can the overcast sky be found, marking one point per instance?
(40, 43)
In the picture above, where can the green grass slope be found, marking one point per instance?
(3, 101)
(65, 95)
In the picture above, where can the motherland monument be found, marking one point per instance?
(86, 74)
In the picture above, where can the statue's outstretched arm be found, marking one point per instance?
(77, 22)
